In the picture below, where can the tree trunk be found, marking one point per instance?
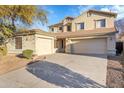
(123, 49)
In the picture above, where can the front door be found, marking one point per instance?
(61, 45)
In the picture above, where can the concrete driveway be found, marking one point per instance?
(60, 70)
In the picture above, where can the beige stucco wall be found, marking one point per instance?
(40, 44)
(111, 45)
(89, 21)
(28, 42)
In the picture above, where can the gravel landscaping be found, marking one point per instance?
(11, 62)
(115, 72)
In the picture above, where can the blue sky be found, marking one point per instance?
(58, 12)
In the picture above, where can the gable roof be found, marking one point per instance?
(69, 17)
(34, 31)
(102, 12)
(85, 33)
(81, 33)
(55, 25)
(59, 24)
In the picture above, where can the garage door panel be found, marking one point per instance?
(44, 46)
(89, 46)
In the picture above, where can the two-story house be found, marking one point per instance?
(86, 25)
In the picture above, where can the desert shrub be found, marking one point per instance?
(3, 50)
(27, 53)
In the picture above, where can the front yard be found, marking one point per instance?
(11, 62)
(115, 72)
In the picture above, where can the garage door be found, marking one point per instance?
(89, 46)
(44, 46)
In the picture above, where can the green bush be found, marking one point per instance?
(3, 50)
(27, 53)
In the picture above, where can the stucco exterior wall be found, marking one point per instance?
(28, 42)
(111, 45)
(89, 21)
(46, 46)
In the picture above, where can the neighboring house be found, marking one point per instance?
(95, 36)
(122, 39)
(119, 24)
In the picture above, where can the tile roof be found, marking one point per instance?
(83, 33)
(34, 31)
(103, 12)
(57, 24)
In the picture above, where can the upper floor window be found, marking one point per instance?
(60, 28)
(80, 26)
(100, 23)
(68, 28)
(88, 14)
(18, 42)
(52, 29)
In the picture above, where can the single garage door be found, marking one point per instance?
(44, 46)
(89, 46)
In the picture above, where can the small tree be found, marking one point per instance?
(10, 15)
(25, 14)
(5, 33)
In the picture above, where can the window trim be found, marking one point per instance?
(61, 28)
(52, 29)
(80, 26)
(67, 28)
(100, 24)
(83, 25)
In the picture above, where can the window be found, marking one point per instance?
(80, 26)
(18, 42)
(68, 28)
(60, 28)
(88, 14)
(100, 23)
(52, 29)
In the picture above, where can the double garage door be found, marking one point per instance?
(89, 46)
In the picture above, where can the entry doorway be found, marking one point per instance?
(61, 45)
(119, 48)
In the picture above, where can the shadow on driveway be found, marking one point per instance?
(59, 75)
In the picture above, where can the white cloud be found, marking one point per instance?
(83, 8)
(105, 9)
(115, 8)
